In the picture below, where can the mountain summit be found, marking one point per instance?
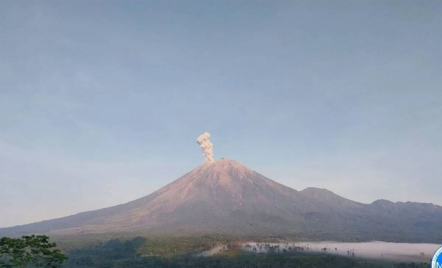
(225, 196)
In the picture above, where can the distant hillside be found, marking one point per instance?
(228, 197)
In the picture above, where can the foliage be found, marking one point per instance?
(168, 245)
(34, 250)
(153, 245)
(117, 253)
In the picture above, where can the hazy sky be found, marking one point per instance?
(101, 102)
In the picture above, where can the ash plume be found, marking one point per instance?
(207, 146)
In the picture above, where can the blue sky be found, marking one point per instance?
(101, 102)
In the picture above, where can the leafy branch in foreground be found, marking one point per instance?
(34, 249)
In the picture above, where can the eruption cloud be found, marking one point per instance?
(207, 146)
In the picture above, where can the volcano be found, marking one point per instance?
(226, 197)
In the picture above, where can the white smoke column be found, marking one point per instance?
(207, 146)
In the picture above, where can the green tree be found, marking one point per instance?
(30, 251)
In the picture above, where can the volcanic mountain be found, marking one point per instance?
(227, 197)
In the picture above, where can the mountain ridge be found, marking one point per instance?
(226, 196)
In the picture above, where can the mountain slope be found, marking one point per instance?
(227, 197)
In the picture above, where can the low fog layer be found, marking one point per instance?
(404, 252)
(411, 252)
